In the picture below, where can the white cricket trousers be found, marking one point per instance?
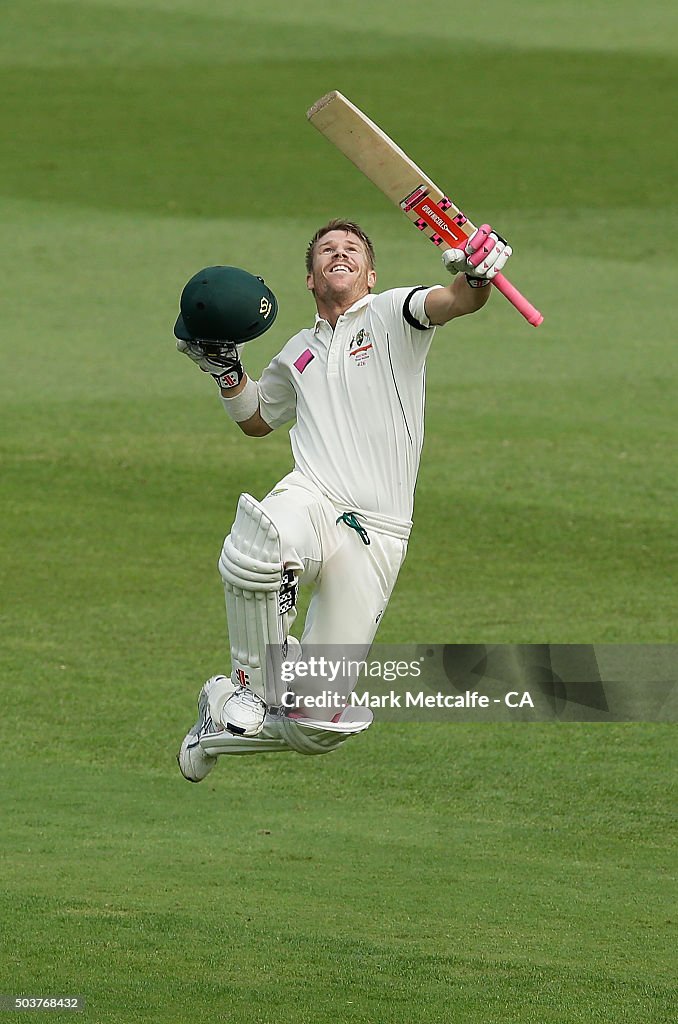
(353, 580)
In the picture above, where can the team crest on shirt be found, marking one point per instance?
(360, 347)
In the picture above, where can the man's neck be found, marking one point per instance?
(331, 312)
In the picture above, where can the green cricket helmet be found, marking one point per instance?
(225, 304)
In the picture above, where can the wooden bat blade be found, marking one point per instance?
(382, 161)
(367, 146)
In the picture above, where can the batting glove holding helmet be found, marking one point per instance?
(221, 309)
(484, 255)
(224, 364)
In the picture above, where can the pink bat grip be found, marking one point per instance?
(532, 315)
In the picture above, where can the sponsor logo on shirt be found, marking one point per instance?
(360, 346)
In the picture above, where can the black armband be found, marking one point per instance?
(407, 314)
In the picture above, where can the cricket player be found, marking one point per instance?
(354, 385)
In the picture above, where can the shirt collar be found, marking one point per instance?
(365, 301)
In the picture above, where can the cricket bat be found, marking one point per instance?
(405, 184)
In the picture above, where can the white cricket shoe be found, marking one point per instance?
(243, 713)
(194, 763)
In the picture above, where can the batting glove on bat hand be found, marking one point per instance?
(484, 255)
(221, 360)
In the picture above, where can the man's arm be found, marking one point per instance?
(457, 299)
(242, 407)
(256, 425)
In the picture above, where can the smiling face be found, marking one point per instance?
(341, 270)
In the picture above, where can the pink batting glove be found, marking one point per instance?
(484, 255)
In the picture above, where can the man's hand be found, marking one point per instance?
(223, 363)
(484, 255)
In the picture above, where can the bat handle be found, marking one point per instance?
(532, 315)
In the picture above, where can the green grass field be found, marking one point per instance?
(485, 874)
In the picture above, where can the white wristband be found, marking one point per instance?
(245, 404)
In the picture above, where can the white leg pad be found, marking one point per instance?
(308, 736)
(252, 571)
(303, 735)
(227, 743)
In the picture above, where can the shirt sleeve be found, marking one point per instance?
(413, 308)
(277, 397)
(409, 330)
(404, 307)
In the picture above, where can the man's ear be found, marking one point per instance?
(309, 282)
(371, 278)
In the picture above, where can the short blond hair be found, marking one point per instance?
(339, 225)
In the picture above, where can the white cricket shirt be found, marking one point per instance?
(357, 393)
